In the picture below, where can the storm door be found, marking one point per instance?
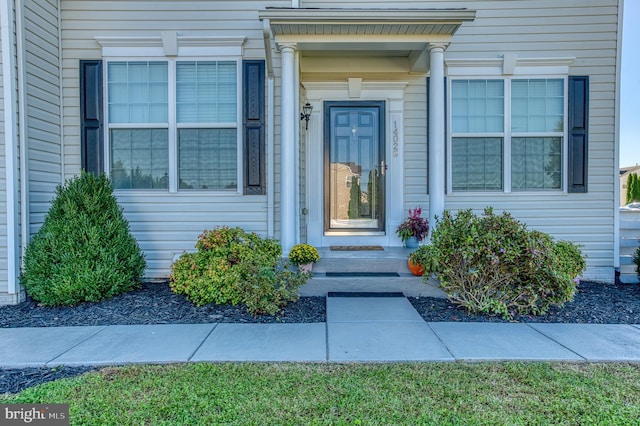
(354, 166)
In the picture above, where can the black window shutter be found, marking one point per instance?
(91, 117)
(253, 126)
(578, 133)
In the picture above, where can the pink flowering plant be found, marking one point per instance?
(494, 264)
(414, 226)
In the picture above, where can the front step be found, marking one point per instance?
(367, 271)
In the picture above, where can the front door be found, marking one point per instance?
(354, 166)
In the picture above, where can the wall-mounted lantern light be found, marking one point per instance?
(306, 114)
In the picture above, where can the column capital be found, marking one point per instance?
(437, 46)
(287, 46)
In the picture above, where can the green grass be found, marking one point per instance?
(342, 394)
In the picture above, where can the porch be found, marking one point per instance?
(373, 270)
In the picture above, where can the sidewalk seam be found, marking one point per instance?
(555, 341)
(202, 342)
(104, 327)
(326, 340)
(441, 341)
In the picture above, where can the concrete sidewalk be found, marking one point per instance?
(358, 329)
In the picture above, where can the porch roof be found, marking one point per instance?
(381, 32)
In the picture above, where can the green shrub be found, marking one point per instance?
(493, 264)
(84, 250)
(636, 260)
(232, 266)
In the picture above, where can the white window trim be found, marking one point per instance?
(508, 135)
(169, 44)
(200, 49)
(507, 65)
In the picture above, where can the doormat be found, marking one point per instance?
(355, 248)
(362, 274)
(365, 294)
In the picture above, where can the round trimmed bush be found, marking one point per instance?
(84, 251)
(232, 266)
(494, 264)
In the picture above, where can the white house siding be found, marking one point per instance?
(165, 224)
(43, 109)
(584, 29)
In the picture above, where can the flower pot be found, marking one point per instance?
(415, 268)
(411, 242)
(307, 267)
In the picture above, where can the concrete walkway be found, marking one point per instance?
(358, 329)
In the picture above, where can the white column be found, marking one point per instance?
(436, 132)
(288, 125)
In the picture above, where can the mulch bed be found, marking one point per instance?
(153, 303)
(594, 303)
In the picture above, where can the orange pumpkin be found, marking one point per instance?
(415, 268)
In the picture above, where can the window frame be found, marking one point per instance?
(508, 134)
(172, 125)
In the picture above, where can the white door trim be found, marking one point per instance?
(393, 95)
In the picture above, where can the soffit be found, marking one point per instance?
(398, 22)
(374, 32)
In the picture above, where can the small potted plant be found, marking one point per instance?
(414, 229)
(304, 255)
(418, 259)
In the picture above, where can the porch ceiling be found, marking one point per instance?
(372, 32)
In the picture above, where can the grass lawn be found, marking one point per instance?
(341, 394)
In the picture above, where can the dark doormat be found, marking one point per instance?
(364, 294)
(355, 248)
(362, 274)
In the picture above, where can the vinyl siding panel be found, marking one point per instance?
(43, 110)
(165, 224)
(166, 231)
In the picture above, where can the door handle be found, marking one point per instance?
(383, 167)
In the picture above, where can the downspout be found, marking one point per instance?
(270, 158)
(616, 148)
(22, 123)
(61, 91)
(10, 145)
(266, 29)
(296, 79)
(295, 4)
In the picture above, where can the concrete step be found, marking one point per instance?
(361, 265)
(409, 285)
(367, 271)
